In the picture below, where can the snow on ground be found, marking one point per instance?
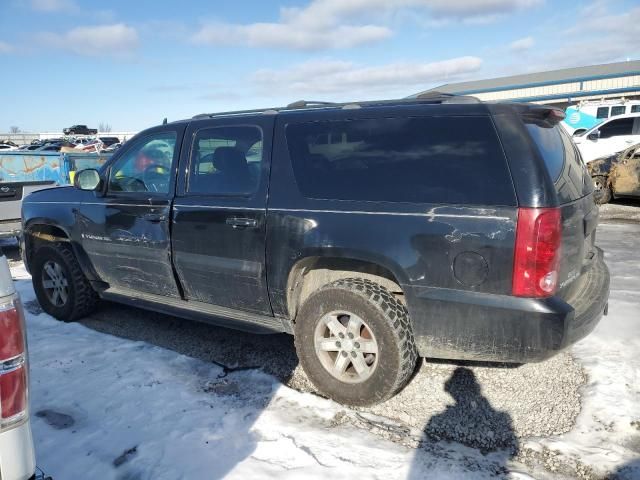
(607, 434)
(109, 408)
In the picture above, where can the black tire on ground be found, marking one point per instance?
(601, 190)
(81, 299)
(388, 320)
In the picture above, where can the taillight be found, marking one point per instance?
(537, 252)
(13, 368)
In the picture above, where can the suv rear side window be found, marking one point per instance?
(566, 169)
(418, 159)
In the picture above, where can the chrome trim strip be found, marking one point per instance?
(12, 364)
(221, 207)
(400, 214)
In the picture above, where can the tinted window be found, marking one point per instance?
(226, 161)
(635, 108)
(420, 160)
(146, 166)
(563, 162)
(616, 128)
(618, 110)
(551, 148)
(602, 112)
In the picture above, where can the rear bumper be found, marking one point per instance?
(464, 325)
(17, 456)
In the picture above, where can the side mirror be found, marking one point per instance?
(595, 135)
(88, 179)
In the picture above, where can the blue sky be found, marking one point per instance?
(130, 63)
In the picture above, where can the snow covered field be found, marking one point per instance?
(110, 408)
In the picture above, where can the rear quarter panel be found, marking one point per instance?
(418, 243)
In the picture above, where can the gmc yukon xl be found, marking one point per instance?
(374, 232)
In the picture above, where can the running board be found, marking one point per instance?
(203, 312)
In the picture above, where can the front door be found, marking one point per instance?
(219, 222)
(126, 231)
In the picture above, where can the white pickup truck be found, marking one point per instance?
(17, 457)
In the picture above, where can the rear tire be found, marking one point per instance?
(355, 342)
(61, 288)
(601, 190)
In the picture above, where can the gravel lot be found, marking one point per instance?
(487, 406)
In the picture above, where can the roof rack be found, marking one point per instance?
(311, 103)
(429, 97)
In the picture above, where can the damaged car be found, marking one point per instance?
(617, 175)
(375, 233)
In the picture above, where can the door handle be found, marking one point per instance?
(241, 222)
(154, 217)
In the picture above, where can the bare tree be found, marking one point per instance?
(14, 129)
(104, 127)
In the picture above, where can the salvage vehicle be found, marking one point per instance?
(617, 175)
(17, 455)
(609, 137)
(79, 130)
(439, 226)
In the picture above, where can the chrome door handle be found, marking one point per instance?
(241, 222)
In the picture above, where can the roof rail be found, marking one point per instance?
(311, 103)
(237, 112)
(442, 97)
(428, 97)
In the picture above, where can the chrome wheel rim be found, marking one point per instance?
(346, 347)
(55, 283)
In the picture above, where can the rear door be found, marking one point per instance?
(219, 213)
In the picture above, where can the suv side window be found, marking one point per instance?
(439, 159)
(602, 112)
(616, 128)
(226, 161)
(146, 166)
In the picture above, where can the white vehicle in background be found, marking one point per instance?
(609, 137)
(586, 115)
(17, 456)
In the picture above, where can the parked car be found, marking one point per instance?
(79, 130)
(108, 141)
(616, 175)
(112, 148)
(585, 115)
(49, 147)
(4, 146)
(431, 227)
(29, 147)
(17, 455)
(609, 137)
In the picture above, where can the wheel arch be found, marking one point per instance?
(309, 274)
(38, 233)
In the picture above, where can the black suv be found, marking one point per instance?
(79, 130)
(373, 232)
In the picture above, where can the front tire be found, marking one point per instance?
(61, 288)
(355, 342)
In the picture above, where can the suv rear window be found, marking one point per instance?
(562, 160)
(418, 159)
